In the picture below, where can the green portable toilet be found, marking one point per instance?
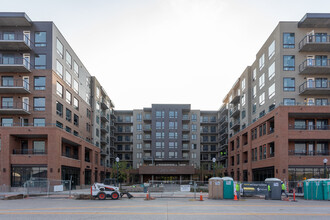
(228, 188)
(307, 189)
(317, 188)
(326, 189)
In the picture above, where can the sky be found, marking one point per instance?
(166, 51)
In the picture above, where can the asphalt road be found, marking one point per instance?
(138, 208)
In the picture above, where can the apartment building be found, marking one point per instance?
(52, 110)
(279, 107)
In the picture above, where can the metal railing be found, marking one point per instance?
(309, 152)
(314, 85)
(16, 37)
(9, 83)
(309, 127)
(314, 63)
(314, 39)
(14, 105)
(29, 151)
(15, 61)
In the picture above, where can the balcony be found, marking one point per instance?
(14, 65)
(315, 66)
(234, 125)
(314, 88)
(147, 138)
(185, 118)
(29, 151)
(223, 121)
(315, 43)
(104, 141)
(103, 152)
(104, 117)
(185, 138)
(147, 128)
(104, 104)
(15, 42)
(147, 118)
(14, 108)
(185, 148)
(15, 86)
(147, 148)
(235, 99)
(309, 127)
(309, 153)
(234, 111)
(104, 129)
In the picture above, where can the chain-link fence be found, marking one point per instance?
(48, 187)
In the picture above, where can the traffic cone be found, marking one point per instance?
(147, 195)
(201, 197)
(235, 197)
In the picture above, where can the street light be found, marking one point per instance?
(214, 166)
(325, 161)
(117, 160)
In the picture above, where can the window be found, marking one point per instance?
(160, 135)
(321, 60)
(243, 99)
(193, 127)
(39, 83)
(7, 81)
(243, 84)
(88, 98)
(40, 61)
(254, 74)
(289, 101)
(75, 120)
(68, 97)
(320, 101)
(193, 117)
(173, 135)
(160, 114)
(173, 125)
(288, 84)
(9, 36)
(139, 117)
(68, 114)
(68, 78)
(160, 154)
(59, 48)
(39, 104)
(7, 122)
(40, 39)
(261, 81)
(139, 127)
(76, 86)
(193, 137)
(160, 144)
(68, 59)
(261, 61)
(59, 68)
(7, 102)
(173, 114)
(271, 71)
(321, 82)
(75, 68)
(75, 103)
(173, 145)
(271, 50)
(59, 109)
(300, 124)
(193, 146)
(159, 125)
(139, 136)
(262, 99)
(38, 147)
(288, 40)
(88, 113)
(39, 122)
(254, 108)
(254, 91)
(139, 146)
(271, 91)
(172, 154)
(288, 62)
(243, 114)
(59, 89)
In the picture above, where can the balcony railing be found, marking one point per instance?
(309, 153)
(309, 127)
(9, 107)
(14, 86)
(315, 66)
(315, 43)
(15, 42)
(15, 64)
(315, 88)
(29, 151)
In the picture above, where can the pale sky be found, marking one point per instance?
(166, 51)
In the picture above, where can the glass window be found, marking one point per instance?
(271, 71)
(262, 99)
(254, 74)
(261, 81)
(254, 91)
(40, 61)
(288, 84)
(261, 61)
(289, 101)
(173, 135)
(75, 68)
(243, 84)
(173, 125)
(9, 36)
(193, 137)
(7, 122)
(288, 40)
(193, 117)
(39, 83)
(59, 109)
(68, 115)
(7, 102)
(68, 59)
(40, 39)
(7, 81)
(288, 63)
(39, 104)
(320, 101)
(68, 96)
(39, 122)
(243, 99)
(75, 120)
(271, 50)
(59, 89)
(68, 78)
(76, 86)
(59, 48)
(59, 68)
(271, 91)
(193, 127)
(254, 107)
(75, 103)
(38, 147)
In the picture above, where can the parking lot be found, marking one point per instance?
(162, 208)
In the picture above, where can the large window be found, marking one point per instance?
(271, 50)
(40, 61)
(271, 71)
(68, 59)
(68, 97)
(262, 99)
(76, 120)
(59, 109)
(39, 122)
(288, 84)
(271, 91)
(39, 83)
(288, 40)
(59, 68)
(40, 39)
(173, 114)
(321, 101)
(21, 174)
(39, 104)
(289, 101)
(75, 103)
(261, 61)
(243, 84)
(76, 86)
(39, 147)
(261, 81)
(288, 63)
(68, 78)
(7, 102)
(75, 68)
(59, 89)
(254, 91)
(68, 114)
(7, 81)
(59, 48)
(7, 122)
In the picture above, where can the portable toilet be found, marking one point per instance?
(326, 189)
(276, 188)
(215, 188)
(307, 189)
(317, 189)
(228, 188)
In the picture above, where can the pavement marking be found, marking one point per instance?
(163, 213)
